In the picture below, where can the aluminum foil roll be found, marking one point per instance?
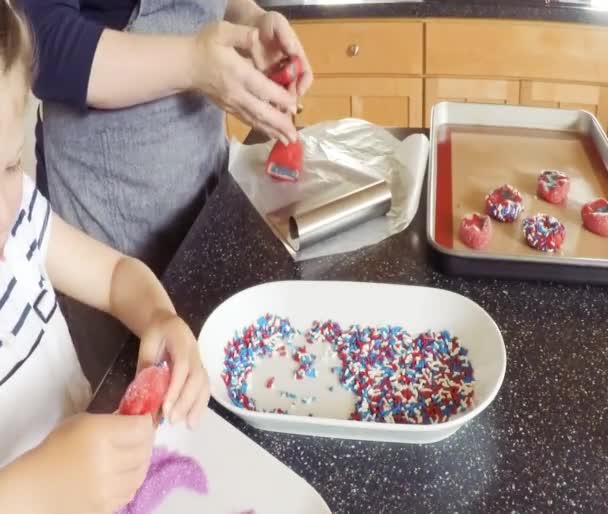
(338, 215)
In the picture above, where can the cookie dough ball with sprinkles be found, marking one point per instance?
(504, 204)
(475, 231)
(595, 216)
(553, 186)
(544, 232)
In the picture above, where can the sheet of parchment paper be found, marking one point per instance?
(339, 157)
(484, 159)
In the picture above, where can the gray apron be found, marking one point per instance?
(136, 178)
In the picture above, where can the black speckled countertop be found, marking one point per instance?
(541, 446)
(550, 10)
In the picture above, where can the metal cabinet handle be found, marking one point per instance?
(353, 50)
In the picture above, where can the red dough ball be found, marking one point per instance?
(475, 231)
(553, 186)
(595, 216)
(286, 71)
(146, 393)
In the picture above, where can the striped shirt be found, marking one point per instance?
(41, 381)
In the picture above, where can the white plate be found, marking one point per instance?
(241, 476)
(415, 308)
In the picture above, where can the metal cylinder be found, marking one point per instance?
(338, 215)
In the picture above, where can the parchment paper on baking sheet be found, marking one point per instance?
(484, 158)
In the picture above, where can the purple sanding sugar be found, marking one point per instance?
(168, 470)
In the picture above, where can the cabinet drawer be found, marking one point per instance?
(363, 47)
(517, 49)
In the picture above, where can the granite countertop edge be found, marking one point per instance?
(515, 10)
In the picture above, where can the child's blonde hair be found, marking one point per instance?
(15, 41)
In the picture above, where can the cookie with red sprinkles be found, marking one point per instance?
(504, 204)
(595, 216)
(475, 231)
(553, 186)
(544, 232)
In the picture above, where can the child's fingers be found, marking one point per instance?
(195, 413)
(189, 394)
(151, 349)
(130, 431)
(179, 374)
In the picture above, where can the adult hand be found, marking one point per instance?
(223, 71)
(280, 40)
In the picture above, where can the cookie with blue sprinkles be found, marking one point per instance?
(504, 204)
(544, 232)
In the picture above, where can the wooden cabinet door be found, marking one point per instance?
(587, 97)
(385, 101)
(236, 128)
(469, 90)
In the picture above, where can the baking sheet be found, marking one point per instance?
(484, 158)
(497, 144)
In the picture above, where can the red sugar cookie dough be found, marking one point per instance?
(595, 216)
(284, 162)
(553, 186)
(146, 393)
(475, 230)
(504, 204)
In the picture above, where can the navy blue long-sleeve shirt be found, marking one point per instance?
(67, 33)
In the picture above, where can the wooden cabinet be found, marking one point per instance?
(469, 90)
(392, 71)
(236, 128)
(591, 98)
(386, 101)
(363, 47)
(505, 48)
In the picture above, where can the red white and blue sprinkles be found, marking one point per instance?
(544, 232)
(504, 204)
(269, 336)
(395, 377)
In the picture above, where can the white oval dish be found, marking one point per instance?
(417, 309)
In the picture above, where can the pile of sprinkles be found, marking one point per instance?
(396, 377)
(267, 337)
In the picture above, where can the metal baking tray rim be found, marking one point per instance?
(543, 259)
(573, 121)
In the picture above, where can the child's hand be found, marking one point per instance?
(93, 463)
(170, 338)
